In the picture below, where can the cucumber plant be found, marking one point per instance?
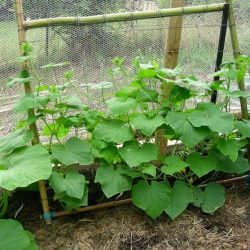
(207, 138)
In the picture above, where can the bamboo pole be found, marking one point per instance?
(120, 17)
(129, 201)
(28, 90)
(171, 58)
(229, 181)
(236, 51)
(94, 207)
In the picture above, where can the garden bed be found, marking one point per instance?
(126, 227)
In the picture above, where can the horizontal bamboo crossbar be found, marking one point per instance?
(94, 207)
(129, 201)
(120, 17)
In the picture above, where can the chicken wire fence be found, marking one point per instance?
(90, 49)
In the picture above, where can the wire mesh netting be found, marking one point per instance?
(90, 49)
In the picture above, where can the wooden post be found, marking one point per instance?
(236, 51)
(171, 60)
(174, 36)
(28, 90)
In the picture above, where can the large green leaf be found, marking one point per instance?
(25, 166)
(201, 166)
(134, 154)
(113, 131)
(210, 115)
(58, 184)
(25, 103)
(234, 93)
(110, 154)
(179, 94)
(131, 172)
(173, 164)
(198, 196)
(33, 245)
(97, 147)
(213, 197)
(145, 124)
(15, 140)
(149, 168)
(189, 135)
(72, 184)
(146, 95)
(29, 101)
(92, 117)
(113, 180)
(127, 91)
(75, 184)
(18, 80)
(74, 203)
(224, 164)
(122, 105)
(165, 74)
(70, 102)
(243, 127)
(152, 198)
(191, 81)
(181, 196)
(55, 129)
(13, 236)
(73, 151)
(99, 144)
(146, 72)
(229, 148)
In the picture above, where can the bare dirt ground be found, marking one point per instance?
(128, 228)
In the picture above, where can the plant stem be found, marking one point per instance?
(5, 202)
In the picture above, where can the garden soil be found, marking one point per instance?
(128, 228)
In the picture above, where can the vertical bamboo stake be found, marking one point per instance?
(236, 51)
(171, 60)
(28, 90)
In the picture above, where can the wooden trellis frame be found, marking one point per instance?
(173, 41)
(121, 17)
(176, 11)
